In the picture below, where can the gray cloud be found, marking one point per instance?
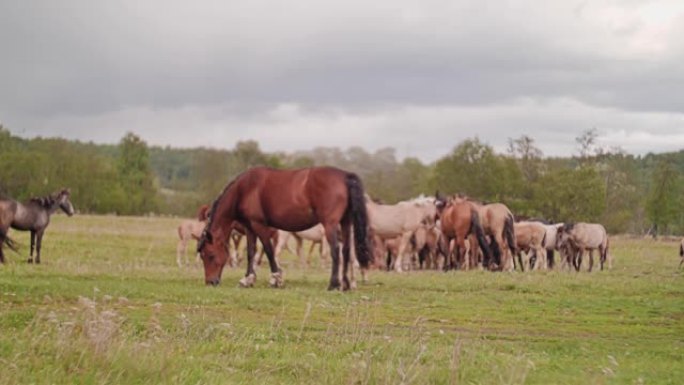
(415, 75)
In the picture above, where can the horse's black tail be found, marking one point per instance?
(509, 233)
(357, 209)
(476, 228)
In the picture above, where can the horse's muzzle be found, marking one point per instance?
(213, 282)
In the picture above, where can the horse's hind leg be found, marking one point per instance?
(591, 260)
(331, 236)
(347, 284)
(33, 246)
(39, 244)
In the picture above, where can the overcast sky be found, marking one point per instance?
(419, 76)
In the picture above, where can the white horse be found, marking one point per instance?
(400, 220)
(316, 235)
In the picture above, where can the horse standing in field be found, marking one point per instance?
(459, 219)
(262, 199)
(577, 238)
(530, 237)
(400, 220)
(681, 253)
(497, 222)
(316, 235)
(33, 216)
(188, 230)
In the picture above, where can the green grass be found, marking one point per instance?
(109, 305)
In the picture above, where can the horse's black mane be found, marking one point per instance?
(45, 202)
(210, 213)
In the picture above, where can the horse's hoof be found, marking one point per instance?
(30, 260)
(276, 280)
(335, 285)
(248, 281)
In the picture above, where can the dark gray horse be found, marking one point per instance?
(33, 216)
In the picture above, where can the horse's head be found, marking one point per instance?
(214, 256)
(64, 202)
(563, 234)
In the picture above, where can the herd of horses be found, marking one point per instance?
(329, 207)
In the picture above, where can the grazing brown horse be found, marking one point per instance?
(460, 219)
(33, 216)
(681, 253)
(262, 199)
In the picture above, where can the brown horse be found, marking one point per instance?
(460, 219)
(262, 199)
(681, 252)
(33, 216)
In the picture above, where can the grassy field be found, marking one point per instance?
(109, 305)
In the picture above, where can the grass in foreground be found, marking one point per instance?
(109, 306)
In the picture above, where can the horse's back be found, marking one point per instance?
(293, 200)
(590, 235)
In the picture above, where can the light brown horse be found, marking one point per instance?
(400, 220)
(188, 230)
(580, 237)
(34, 216)
(530, 237)
(459, 219)
(262, 199)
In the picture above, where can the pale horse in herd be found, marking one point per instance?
(401, 220)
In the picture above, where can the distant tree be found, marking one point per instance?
(571, 195)
(135, 176)
(664, 203)
(474, 169)
(527, 155)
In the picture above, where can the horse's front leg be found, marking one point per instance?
(264, 234)
(250, 277)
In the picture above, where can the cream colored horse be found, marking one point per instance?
(400, 220)
(581, 237)
(497, 222)
(316, 235)
(188, 230)
(531, 237)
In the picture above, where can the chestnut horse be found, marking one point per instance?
(262, 198)
(460, 219)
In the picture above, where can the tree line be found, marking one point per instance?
(626, 193)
